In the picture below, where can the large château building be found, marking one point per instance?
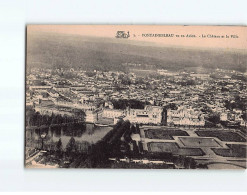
(185, 116)
(148, 115)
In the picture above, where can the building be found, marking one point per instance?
(62, 88)
(40, 87)
(185, 116)
(224, 116)
(112, 113)
(148, 115)
(200, 76)
(91, 116)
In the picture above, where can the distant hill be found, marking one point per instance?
(50, 50)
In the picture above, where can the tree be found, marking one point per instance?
(79, 114)
(244, 116)
(71, 146)
(59, 145)
(132, 103)
(237, 103)
(138, 128)
(206, 109)
(53, 118)
(214, 118)
(30, 117)
(133, 129)
(37, 119)
(172, 106)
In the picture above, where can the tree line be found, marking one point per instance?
(239, 103)
(132, 103)
(34, 118)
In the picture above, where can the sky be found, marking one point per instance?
(237, 35)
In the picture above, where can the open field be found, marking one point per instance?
(164, 134)
(174, 148)
(236, 150)
(222, 135)
(198, 142)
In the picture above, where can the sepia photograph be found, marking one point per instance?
(136, 97)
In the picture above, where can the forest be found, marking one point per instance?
(61, 51)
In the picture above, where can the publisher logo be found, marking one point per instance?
(122, 34)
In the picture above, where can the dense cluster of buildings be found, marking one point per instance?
(193, 95)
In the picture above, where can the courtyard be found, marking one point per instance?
(199, 142)
(235, 150)
(222, 135)
(164, 134)
(173, 147)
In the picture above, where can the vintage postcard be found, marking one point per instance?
(136, 97)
